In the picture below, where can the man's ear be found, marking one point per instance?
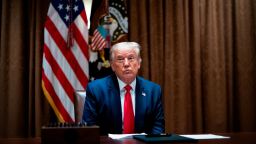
(112, 66)
(140, 62)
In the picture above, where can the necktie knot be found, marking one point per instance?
(128, 88)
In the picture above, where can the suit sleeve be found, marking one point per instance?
(90, 107)
(159, 122)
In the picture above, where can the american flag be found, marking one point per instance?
(99, 39)
(65, 56)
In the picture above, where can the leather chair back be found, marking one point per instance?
(79, 105)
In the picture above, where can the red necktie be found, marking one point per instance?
(128, 112)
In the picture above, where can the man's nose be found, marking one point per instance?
(126, 62)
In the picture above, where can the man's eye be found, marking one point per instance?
(120, 59)
(130, 58)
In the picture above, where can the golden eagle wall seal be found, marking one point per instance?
(119, 21)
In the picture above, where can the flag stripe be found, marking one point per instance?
(80, 25)
(59, 73)
(50, 89)
(98, 41)
(68, 55)
(84, 17)
(81, 42)
(58, 89)
(63, 31)
(81, 59)
(100, 44)
(62, 62)
(61, 27)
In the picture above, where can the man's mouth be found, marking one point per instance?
(127, 71)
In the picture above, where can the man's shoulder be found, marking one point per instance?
(101, 81)
(146, 82)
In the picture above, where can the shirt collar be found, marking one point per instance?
(122, 84)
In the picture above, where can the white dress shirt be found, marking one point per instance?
(122, 93)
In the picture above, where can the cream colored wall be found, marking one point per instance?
(88, 5)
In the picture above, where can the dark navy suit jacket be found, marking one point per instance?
(103, 106)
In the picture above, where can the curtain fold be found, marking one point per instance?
(23, 109)
(203, 56)
(245, 66)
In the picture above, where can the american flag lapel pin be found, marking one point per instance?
(143, 93)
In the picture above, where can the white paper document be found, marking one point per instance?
(205, 136)
(121, 136)
(194, 136)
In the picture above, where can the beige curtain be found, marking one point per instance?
(202, 53)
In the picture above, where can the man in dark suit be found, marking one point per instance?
(124, 102)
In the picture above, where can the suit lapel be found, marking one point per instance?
(115, 104)
(140, 105)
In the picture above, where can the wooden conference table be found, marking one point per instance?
(235, 138)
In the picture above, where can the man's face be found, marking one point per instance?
(125, 64)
